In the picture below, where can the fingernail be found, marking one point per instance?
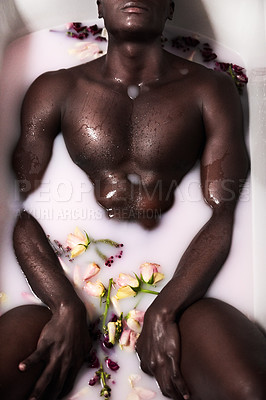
(186, 396)
(22, 367)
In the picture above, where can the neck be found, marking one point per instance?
(134, 63)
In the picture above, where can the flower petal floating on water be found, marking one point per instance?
(116, 306)
(127, 280)
(135, 320)
(133, 396)
(91, 270)
(127, 283)
(149, 273)
(124, 292)
(134, 325)
(95, 289)
(111, 327)
(77, 242)
(133, 379)
(3, 298)
(138, 392)
(111, 364)
(128, 340)
(144, 394)
(77, 276)
(86, 50)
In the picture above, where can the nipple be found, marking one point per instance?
(134, 178)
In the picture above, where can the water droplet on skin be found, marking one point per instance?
(133, 91)
(134, 178)
(111, 194)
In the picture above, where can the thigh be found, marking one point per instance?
(20, 329)
(223, 353)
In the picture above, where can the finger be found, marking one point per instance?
(177, 378)
(43, 383)
(143, 360)
(69, 383)
(62, 379)
(164, 381)
(35, 358)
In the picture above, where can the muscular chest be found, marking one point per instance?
(157, 130)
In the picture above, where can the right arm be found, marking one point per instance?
(65, 340)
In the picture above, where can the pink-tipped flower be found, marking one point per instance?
(128, 340)
(127, 284)
(91, 270)
(77, 242)
(135, 320)
(127, 280)
(144, 394)
(149, 273)
(86, 50)
(95, 289)
(125, 292)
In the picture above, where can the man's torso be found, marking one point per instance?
(135, 151)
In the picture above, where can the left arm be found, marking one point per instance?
(224, 167)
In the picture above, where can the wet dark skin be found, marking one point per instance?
(195, 348)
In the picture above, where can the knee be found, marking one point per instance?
(19, 332)
(252, 389)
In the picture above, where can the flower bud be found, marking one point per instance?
(127, 280)
(95, 289)
(111, 326)
(128, 340)
(149, 273)
(134, 325)
(91, 270)
(77, 242)
(124, 292)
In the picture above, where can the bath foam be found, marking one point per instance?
(65, 200)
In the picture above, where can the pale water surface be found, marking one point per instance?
(65, 200)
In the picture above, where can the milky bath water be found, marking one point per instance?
(65, 199)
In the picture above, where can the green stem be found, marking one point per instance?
(100, 254)
(106, 391)
(149, 291)
(107, 304)
(107, 241)
(102, 375)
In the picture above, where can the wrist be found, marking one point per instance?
(167, 310)
(71, 306)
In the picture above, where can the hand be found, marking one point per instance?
(158, 348)
(63, 344)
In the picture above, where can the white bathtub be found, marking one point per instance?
(237, 24)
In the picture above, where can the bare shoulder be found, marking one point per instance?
(206, 83)
(49, 87)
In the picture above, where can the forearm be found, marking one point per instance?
(199, 265)
(40, 264)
